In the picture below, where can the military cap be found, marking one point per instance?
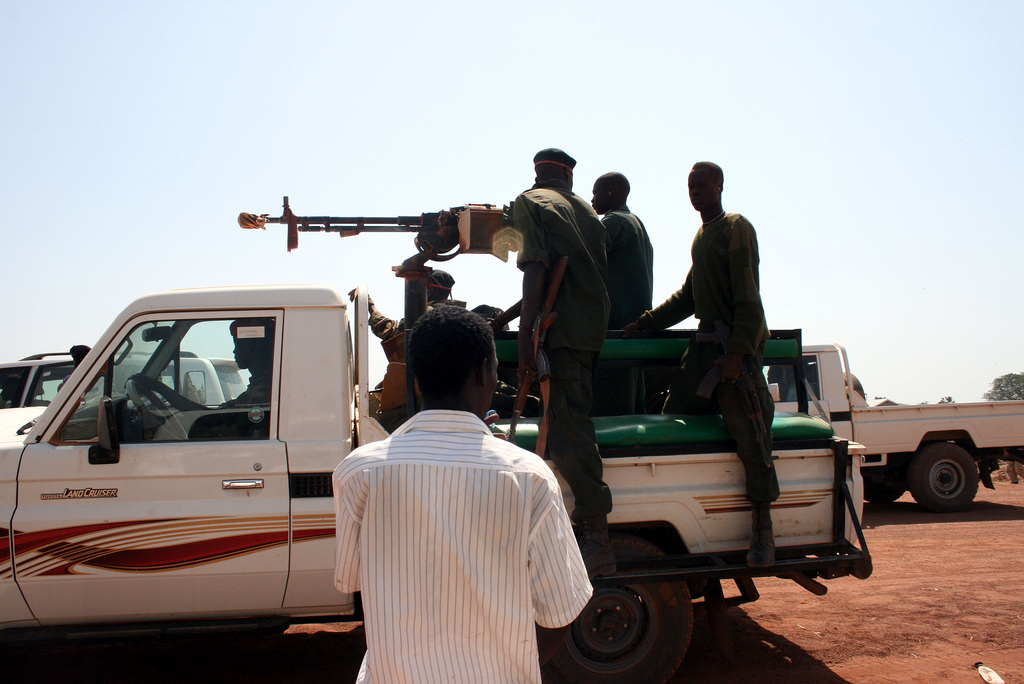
(442, 279)
(553, 155)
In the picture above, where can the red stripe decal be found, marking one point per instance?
(163, 558)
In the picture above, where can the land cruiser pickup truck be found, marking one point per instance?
(139, 505)
(937, 451)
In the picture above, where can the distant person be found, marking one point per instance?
(723, 285)
(630, 285)
(458, 541)
(79, 352)
(554, 222)
(1014, 471)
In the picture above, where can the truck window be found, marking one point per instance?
(811, 374)
(784, 377)
(81, 425)
(10, 384)
(48, 380)
(188, 380)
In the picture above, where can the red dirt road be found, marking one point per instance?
(946, 592)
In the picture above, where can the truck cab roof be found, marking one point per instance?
(251, 296)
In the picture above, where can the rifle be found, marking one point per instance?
(745, 384)
(545, 317)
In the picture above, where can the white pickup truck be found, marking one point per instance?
(937, 451)
(139, 505)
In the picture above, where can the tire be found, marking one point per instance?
(628, 633)
(876, 492)
(943, 477)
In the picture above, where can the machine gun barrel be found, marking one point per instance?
(474, 228)
(354, 224)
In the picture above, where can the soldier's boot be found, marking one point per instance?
(595, 546)
(762, 542)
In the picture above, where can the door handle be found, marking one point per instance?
(241, 484)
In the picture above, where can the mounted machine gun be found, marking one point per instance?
(440, 236)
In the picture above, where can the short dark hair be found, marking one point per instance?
(715, 169)
(615, 180)
(444, 347)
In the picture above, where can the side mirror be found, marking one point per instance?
(108, 450)
(195, 386)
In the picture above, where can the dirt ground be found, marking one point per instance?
(946, 593)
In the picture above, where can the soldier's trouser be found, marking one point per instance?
(572, 443)
(762, 482)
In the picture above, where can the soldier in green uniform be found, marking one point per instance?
(723, 284)
(439, 290)
(391, 410)
(630, 285)
(554, 222)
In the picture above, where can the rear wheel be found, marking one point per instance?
(876, 492)
(943, 478)
(627, 633)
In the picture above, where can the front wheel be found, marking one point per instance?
(943, 478)
(627, 633)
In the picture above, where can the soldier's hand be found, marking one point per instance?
(630, 329)
(732, 367)
(369, 300)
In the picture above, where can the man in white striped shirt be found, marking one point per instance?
(459, 541)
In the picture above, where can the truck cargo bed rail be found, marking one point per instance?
(838, 558)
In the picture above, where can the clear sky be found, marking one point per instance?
(875, 146)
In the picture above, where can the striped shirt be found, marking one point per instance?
(460, 543)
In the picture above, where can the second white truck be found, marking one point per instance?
(937, 451)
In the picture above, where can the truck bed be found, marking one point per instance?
(686, 469)
(894, 429)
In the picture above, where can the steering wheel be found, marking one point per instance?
(160, 395)
(153, 397)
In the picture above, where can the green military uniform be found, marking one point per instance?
(630, 284)
(723, 284)
(553, 223)
(383, 327)
(630, 267)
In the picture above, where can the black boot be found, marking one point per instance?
(595, 546)
(762, 543)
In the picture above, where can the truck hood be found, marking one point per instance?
(12, 420)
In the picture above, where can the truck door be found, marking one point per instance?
(191, 517)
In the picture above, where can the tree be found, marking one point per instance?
(1007, 387)
(946, 400)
